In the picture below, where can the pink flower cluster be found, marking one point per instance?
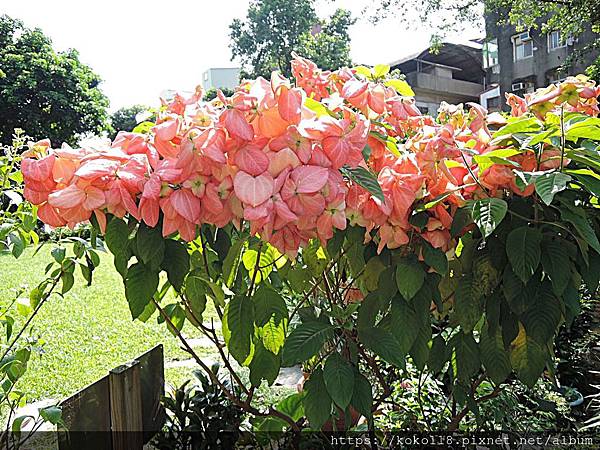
(270, 155)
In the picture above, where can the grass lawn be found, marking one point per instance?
(88, 332)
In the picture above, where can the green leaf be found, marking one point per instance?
(52, 414)
(461, 219)
(467, 304)
(409, 277)
(305, 341)
(500, 157)
(487, 213)
(232, 262)
(381, 70)
(527, 358)
(338, 375)
(240, 323)
(438, 355)
(403, 324)
(365, 179)
(578, 218)
(555, 261)
(176, 316)
(58, 253)
(591, 272)
(273, 335)
(494, 357)
(269, 304)
(549, 184)
(590, 181)
(362, 395)
(117, 236)
(401, 87)
(292, 406)
(176, 262)
(67, 282)
(317, 402)
(517, 125)
(317, 107)
(150, 245)
(543, 316)
(420, 348)
(384, 344)
(524, 251)
(264, 365)
(435, 258)
(467, 356)
(140, 285)
(195, 294)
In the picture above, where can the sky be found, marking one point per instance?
(140, 48)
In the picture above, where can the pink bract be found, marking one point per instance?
(269, 156)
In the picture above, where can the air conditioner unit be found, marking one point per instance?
(570, 41)
(518, 86)
(525, 36)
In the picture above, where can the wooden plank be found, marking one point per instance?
(152, 375)
(126, 407)
(86, 417)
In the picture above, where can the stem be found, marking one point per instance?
(31, 317)
(420, 400)
(472, 173)
(215, 379)
(256, 270)
(562, 137)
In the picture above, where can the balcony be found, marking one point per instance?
(442, 83)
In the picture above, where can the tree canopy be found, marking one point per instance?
(572, 17)
(273, 29)
(124, 119)
(47, 93)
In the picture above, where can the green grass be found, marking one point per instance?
(86, 333)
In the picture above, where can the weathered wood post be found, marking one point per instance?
(126, 407)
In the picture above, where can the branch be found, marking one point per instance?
(215, 379)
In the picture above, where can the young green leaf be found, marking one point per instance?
(366, 179)
(487, 213)
(549, 184)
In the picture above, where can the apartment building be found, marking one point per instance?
(520, 62)
(454, 75)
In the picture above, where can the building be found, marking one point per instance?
(221, 77)
(521, 62)
(454, 75)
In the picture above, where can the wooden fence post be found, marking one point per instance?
(126, 407)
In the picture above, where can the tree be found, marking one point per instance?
(273, 29)
(572, 17)
(47, 93)
(124, 119)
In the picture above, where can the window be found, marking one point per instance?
(556, 76)
(555, 40)
(522, 46)
(490, 53)
(493, 102)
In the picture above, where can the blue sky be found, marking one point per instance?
(141, 48)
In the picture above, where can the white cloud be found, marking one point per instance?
(140, 48)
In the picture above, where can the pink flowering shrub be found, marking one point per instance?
(271, 155)
(402, 237)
